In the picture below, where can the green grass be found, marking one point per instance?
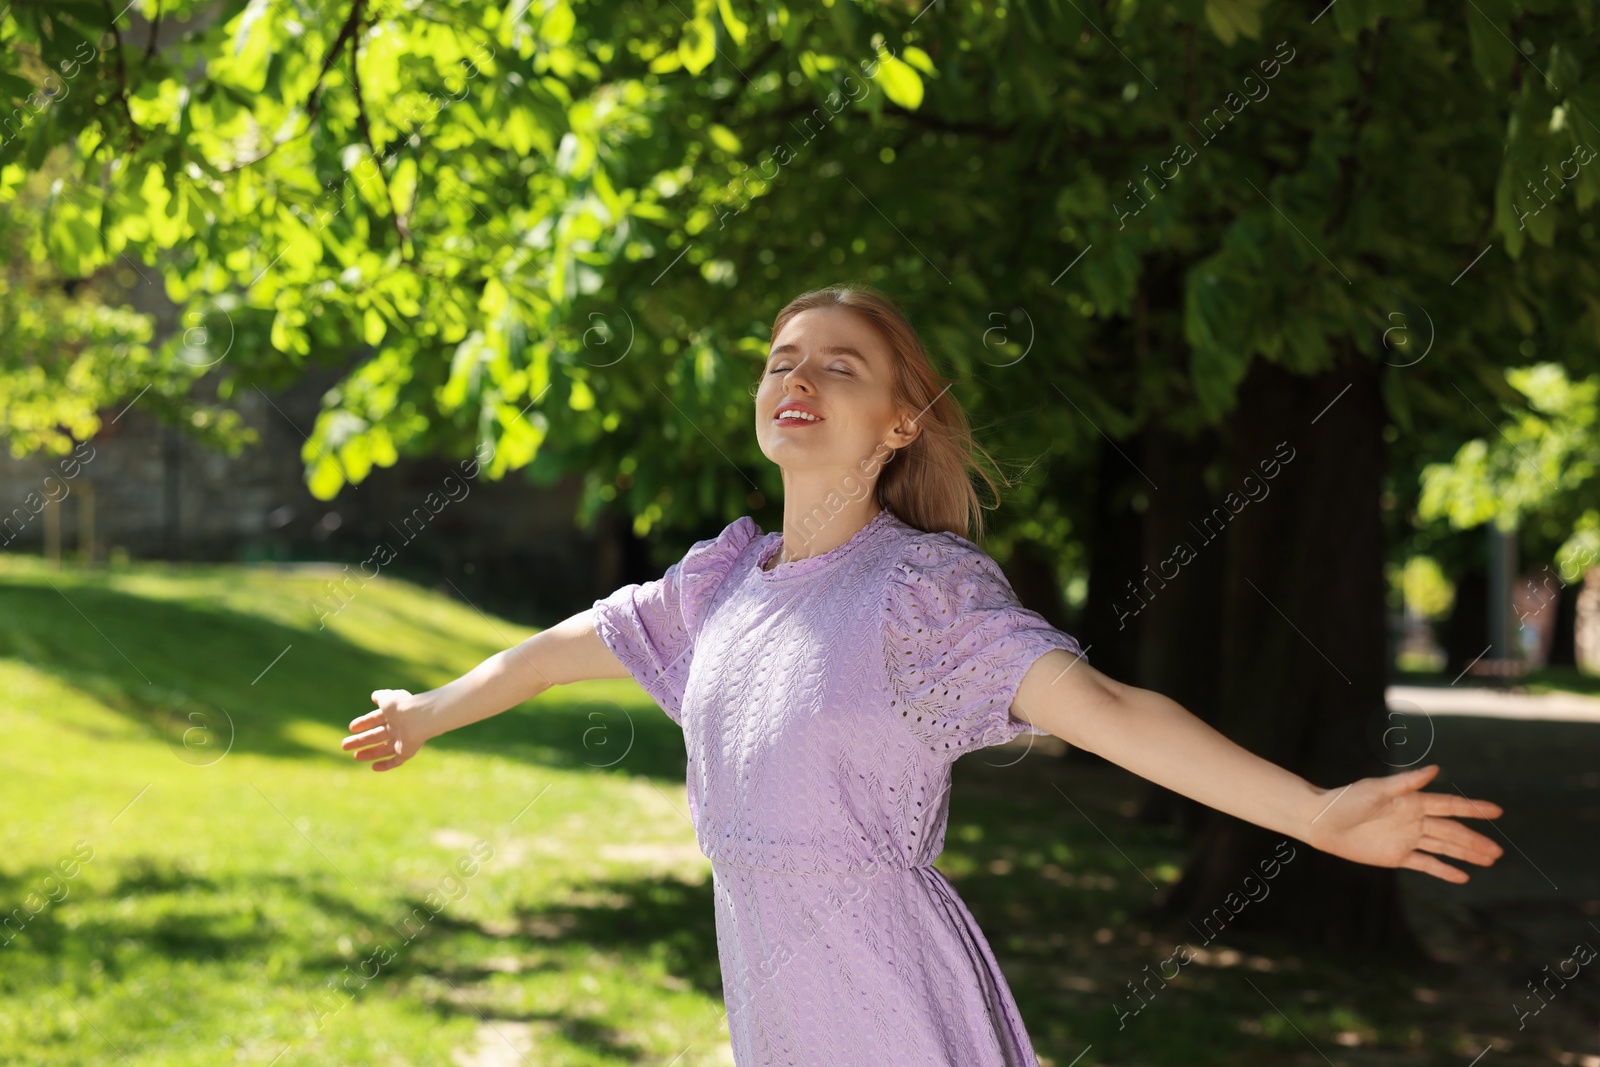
(1562, 679)
(1538, 680)
(225, 895)
(183, 723)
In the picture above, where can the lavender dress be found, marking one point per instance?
(822, 704)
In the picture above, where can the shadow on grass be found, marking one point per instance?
(667, 920)
(212, 680)
(1058, 885)
(183, 917)
(1062, 887)
(560, 730)
(574, 1030)
(166, 911)
(162, 908)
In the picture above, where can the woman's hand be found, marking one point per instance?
(393, 731)
(1388, 822)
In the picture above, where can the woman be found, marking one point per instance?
(826, 677)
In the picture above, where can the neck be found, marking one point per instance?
(820, 519)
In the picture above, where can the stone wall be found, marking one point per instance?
(148, 491)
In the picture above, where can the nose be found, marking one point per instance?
(793, 375)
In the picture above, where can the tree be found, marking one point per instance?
(71, 350)
(563, 229)
(1536, 474)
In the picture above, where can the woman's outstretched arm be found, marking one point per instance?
(570, 651)
(1385, 822)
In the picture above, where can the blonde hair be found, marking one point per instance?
(926, 483)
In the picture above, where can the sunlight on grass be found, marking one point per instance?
(239, 886)
(200, 875)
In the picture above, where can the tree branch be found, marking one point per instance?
(727, 106)
(400, 229)
(987, 131)
(351, 24)
(155, 32)
(1344, 190)
(122, 74)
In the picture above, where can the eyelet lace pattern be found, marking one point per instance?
(823, 704)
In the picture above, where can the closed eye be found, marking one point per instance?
(836, 370)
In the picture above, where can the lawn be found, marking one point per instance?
(215, 881)
(241, 867)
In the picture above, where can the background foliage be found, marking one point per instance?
(565, 228)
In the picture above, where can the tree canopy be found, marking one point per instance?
(1539, 466)
(564, 228)
(561, 230)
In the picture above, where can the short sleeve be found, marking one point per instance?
(651, 627)
(957, 644)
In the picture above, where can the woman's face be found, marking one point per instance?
(831, 365)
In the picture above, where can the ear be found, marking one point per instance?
(905, 431)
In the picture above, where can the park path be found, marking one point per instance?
(1538, 757)
(1493, 703)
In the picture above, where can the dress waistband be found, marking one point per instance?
(830, 858)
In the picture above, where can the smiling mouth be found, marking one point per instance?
(798, 418)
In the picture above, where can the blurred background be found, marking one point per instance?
(346, 342)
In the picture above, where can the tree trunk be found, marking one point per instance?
(1180, 640)
(1466, 629)
(1109, 632)
(1032, 573)
(1303, 656)
(1111, 618)
(1563, 643)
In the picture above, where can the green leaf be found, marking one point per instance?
(736, 28)
(900, 83)
(580, 398)
(253, 40)
(71, 236)
(13, 86)
(325, 478)
(373, 326)
(1230, 18)
(520, 438)
(288, 331)
(403, 184)
(465, 372)
(667, 62)
(607, 193)
(1584, 100)
(1492, 50)
(698, 46)
(556, 27)
(1518, 214)
(1216, 319)
(918, 58)
(1353, 16)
